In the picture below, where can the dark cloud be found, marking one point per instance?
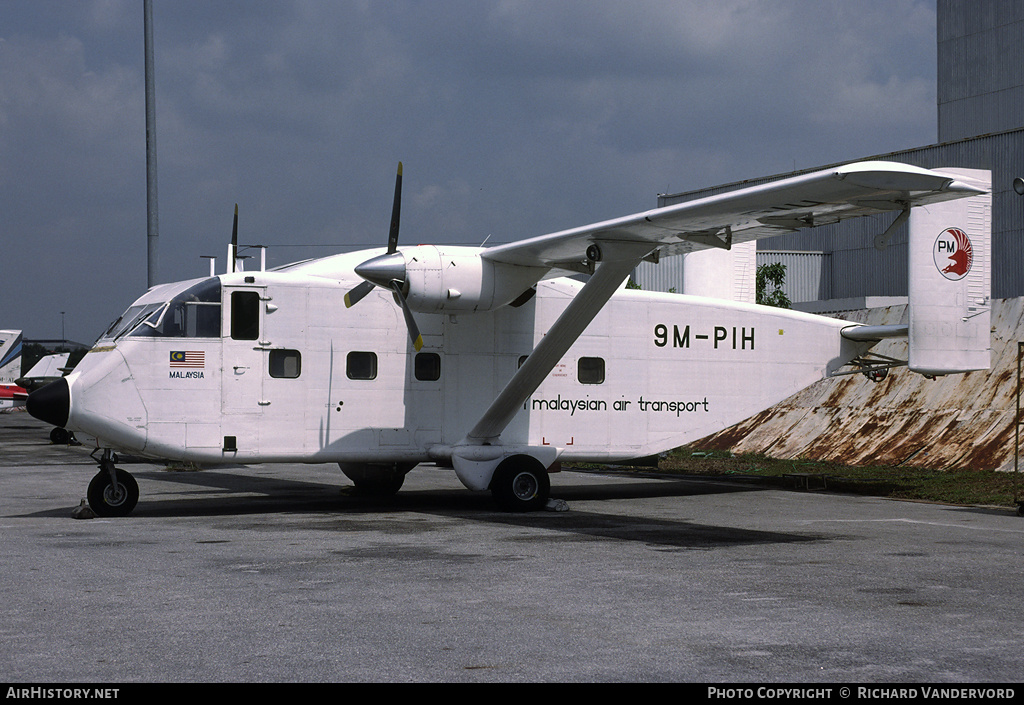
(513, 119)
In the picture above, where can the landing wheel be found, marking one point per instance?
(110, 499)
(520, 484)
(59, 436)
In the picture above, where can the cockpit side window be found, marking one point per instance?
(245, 315)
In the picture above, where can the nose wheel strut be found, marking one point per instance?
(113, 492)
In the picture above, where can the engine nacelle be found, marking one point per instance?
(458, 279)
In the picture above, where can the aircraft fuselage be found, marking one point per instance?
(271, 367)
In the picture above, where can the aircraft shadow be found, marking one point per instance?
(216, 493)
(212, 494)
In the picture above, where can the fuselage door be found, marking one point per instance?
(244, 362)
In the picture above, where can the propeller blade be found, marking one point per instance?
(396, 212)
(410, 322)
(355, 295)
(379, 271)
(234, 240)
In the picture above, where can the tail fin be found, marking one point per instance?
(10, 356)
(950, 282)
(722, 274)
(49, 365)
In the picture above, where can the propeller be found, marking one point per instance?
(388, 270)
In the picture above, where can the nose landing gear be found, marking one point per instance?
(113, 492)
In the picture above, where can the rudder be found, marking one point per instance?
(949, 281)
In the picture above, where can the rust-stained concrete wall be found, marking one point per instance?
(957, 421)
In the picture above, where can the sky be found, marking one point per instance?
(512, 118)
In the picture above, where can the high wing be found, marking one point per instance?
(612, 248)
(818, 198)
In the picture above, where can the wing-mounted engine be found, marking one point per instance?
(433, 279)
(458, 279)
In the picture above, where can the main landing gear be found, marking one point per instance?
(520, 484)
(113, 492)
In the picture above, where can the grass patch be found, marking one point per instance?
(968, 487)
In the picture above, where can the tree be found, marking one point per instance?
(773, 276)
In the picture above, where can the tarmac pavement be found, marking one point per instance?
(277, 573)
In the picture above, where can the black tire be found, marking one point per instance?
(59, 436)
(109, 501)
(520, 484)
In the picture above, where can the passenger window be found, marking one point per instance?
(590, 370)
(361, 365)
(285, 364)
(245, 315)
(427, 367)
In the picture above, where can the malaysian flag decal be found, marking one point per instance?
(188, 358)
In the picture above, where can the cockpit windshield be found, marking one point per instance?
(192, 313)
(130, 318)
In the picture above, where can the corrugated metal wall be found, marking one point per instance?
(667, 275)
(980, 67)
(808, 274)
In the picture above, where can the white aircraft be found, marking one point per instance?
(10, 368)
(492, 362)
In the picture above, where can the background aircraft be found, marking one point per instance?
(10, 367)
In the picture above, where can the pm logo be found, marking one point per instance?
(953, 254)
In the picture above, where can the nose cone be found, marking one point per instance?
(383, 270)
(51, 403)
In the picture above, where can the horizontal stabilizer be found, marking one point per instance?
(870, 333)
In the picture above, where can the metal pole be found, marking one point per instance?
(1018, 186)
(1018, 500)
(152, 227)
